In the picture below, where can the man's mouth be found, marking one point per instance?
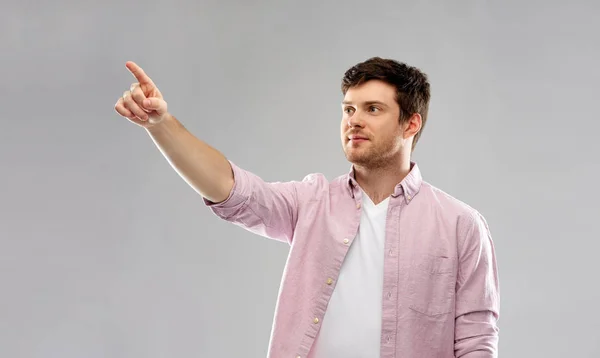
(356, 138)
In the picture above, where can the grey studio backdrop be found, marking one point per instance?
(106, 252)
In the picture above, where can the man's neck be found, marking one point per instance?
(379, 183)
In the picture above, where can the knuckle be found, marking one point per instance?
(129, 102)
(138, 95)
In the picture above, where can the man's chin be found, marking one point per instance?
(357, 159)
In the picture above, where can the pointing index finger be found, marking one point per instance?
(139, 74)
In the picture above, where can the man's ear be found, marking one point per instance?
(413, 125)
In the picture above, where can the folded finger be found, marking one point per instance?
(132, 106)
(138, 96)
(120, 108)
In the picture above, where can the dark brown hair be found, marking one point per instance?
(412, 86)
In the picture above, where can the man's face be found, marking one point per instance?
(370, 128)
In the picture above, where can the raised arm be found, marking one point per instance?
(236, 195)
(203, 167)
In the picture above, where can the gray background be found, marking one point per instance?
(106, 252)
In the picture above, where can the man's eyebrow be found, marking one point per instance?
(366, 103)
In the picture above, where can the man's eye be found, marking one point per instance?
(373, 108)
(348, 109)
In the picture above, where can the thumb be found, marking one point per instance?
(155, 104)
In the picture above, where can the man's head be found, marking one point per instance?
(385, 102)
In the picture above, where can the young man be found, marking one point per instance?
(381, 263)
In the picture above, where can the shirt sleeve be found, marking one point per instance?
(477, 293)
(266, 209)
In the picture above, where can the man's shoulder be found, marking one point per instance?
(320, 181)
(455, 211)
(316, 186)
(446, 202)
(318, 177)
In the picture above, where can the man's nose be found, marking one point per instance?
(355, 120)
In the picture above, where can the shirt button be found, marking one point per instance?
(358, 206)
(298, 357)
(389, 295)
(388, 339)
(346, 241)
(316, 320)
(391, 252)
(408, 197)
(329, 281)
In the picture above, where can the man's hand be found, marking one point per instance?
(203, 167)
(142, 104)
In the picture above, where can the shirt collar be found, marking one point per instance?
(409, 186)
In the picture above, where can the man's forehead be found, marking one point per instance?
(369, 94)
(365, 101)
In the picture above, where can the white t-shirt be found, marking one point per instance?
(351, 326)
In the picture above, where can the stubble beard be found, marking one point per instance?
(371, 158)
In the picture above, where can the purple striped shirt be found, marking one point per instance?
(441, 289)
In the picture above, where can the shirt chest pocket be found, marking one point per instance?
(431, 284)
